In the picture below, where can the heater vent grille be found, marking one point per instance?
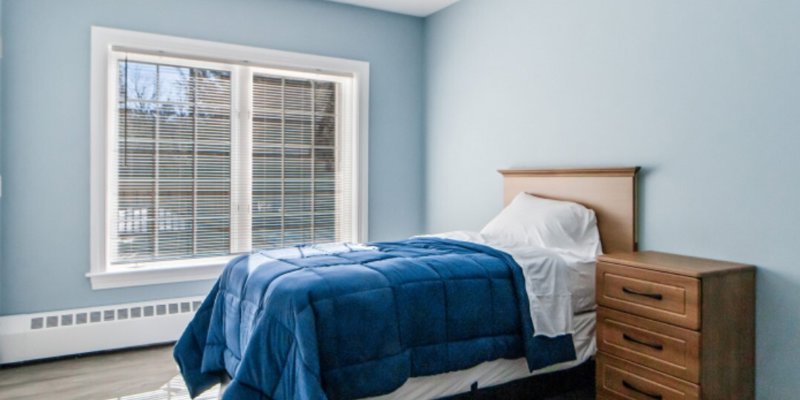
(109, 314)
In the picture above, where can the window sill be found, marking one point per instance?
(156, 275)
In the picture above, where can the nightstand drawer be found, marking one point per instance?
(655, 295)
(619, 379)
(663, 347)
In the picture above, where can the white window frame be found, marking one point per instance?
(105, 46)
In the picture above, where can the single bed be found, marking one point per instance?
(612, 194)
(397, 320)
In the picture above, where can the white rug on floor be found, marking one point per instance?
(175, 389)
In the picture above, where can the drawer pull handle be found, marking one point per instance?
(655, 296)
(656, 346)
(640, 391)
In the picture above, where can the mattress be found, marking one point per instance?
(496, 372)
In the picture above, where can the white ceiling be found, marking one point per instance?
(419, 8)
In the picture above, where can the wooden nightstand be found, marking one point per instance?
(673, 327)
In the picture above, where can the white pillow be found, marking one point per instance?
(552, 224)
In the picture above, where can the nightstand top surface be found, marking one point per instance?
(674, 263)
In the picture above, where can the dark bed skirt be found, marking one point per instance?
(576, 383)
(572, 384)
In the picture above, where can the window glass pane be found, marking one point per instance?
(297, 95)
(325, 98)
(176, 122)
(294, 162)
(268, 93)
(138, 80)
(267, 127)
(324, 130)
(298, 129)
(175, 84)
(173, 163)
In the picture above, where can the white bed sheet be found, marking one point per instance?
(496, 372)
(559, 284)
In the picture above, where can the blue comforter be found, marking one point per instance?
(359, 323)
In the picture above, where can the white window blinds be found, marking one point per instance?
(181, 186)
(295, 182)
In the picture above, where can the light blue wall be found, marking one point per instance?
(705, 95)
(45, 132)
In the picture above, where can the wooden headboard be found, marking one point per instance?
(610, 192)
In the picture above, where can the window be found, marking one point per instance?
(202, 151)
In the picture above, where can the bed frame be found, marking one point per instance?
(610, 192)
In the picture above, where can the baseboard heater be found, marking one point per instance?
(27, 337)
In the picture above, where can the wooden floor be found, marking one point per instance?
(136, 374)
(101, 377)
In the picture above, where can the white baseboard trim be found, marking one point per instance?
(27, 337)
